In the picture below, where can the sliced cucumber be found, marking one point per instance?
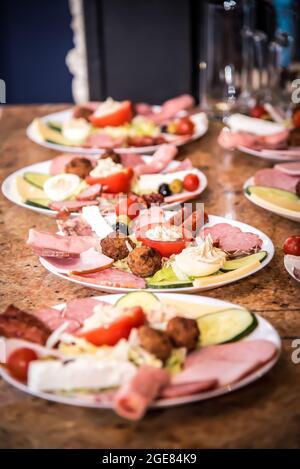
(54, 126)
(36, 179)
(243, 261)
(144, 299)
(170, 284)
(224, 326)
(39, 203)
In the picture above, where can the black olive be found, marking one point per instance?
(164, 128)
(121, 227)
(164, 190)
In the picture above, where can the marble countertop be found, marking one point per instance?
(265, 414)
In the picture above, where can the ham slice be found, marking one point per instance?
(276, 178)
(131, 160)
(292, 169)
(227, 363)
(72, 205)
(170, 108)
(90, 193)
(143, 109)
(187, 389)
(103, 141)
(54, 319)
(182, 166)
(80, 309)
(53, 245)
(112, 277)
(75, 226)
(59, 163)
(134, 397)
(232, 140)
(160, 160)
(88, 262)
(232, 240)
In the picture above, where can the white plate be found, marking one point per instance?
(264, 331)
(289, 264)
(10, 192)
(271, 155)
(282, 212)
(213, 220)
(201, 123)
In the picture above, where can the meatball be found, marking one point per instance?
(294, 137)
(155, 341)
(144, 261)
(82, 112)
(116, 245)
(183, 332)
(112, 155)
(79, 166)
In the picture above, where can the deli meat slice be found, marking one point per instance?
(276, 178)
(112, 277)
(232, 240)
(160, 160)
(143, 109)
(58, 164)
(75, 227)
(53, 319)
(187, 389)
(80, 309)
(88, 262)
(182, 166)
(103, 141)
(131, 160)
(134, 397)
(171, 107)
(90, 193)
(293, 168)
(72, 205)
(53, 245)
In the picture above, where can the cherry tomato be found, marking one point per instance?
(292, 246)
(183, 126)
(257, 111)
(191, 182)
(18, 362)
(115, 183)
(118, 329)
(128, 206)
(296, 118)
(119, 115)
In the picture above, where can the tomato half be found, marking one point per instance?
(18, 362)
(296, 118)
(292, 246)
(118, 329)
(118, 115)
(257, 111)
(165, 248)
(115, 183)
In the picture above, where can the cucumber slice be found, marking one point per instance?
(54, 125)
(36, 179)
(225, 326)
(144, 299)
(170, 284)
(39, 203)
(243, 261)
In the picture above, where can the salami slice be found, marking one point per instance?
(90, 193)
(232, 240)
(72, 205)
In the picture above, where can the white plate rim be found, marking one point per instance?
(257, 153)
(278, 211)
(286, 262)
(7, 186)
(62, 115)
(271, 333)
(213, 219)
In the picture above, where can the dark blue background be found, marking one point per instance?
(35, 36)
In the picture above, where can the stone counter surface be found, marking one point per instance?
(265, 414)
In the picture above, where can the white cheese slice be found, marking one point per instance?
(82, 373)
(242, 123)
(98, 223)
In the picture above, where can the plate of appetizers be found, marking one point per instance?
(265, 134)
(291, 249)
(276, 189)
(70, 182)
(183, 250)
(95, 127)
(136, 351)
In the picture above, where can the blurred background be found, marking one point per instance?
(66, 50)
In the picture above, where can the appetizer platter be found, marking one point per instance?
(185, 250)
(265, 133)
(95, 127)
(291, 249)
(70, 182)
(276, 189)
(136, 351)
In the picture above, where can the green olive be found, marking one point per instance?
(176, 186)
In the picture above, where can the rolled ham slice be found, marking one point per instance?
(90, 193)
(88, 262)
(72, 205)
(187, 389)
(292, 169)
(54, 319)
(59, 163)
(53, 245)
(160, 160)
(131, 160)
(112, 277)
(182, 166)
(171, 107)
(276, 178)
(134, 397)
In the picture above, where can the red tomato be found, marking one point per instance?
(165, 248)
(118, 329)
(292, 246)
(18, 362)
(118, 116)
(115, 183)
(257, 111)
(191, 182)
(296, 118)
(184, 126)
(128, 206)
